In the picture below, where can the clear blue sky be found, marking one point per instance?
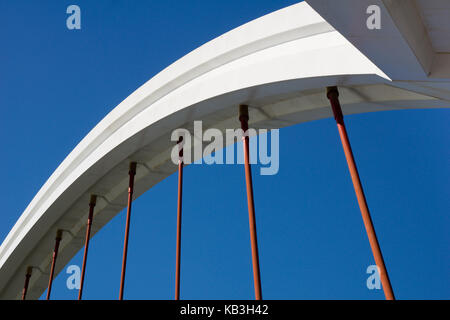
(56, 84)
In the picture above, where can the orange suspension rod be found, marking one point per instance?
(132, 173)
(27, 281)
(55, 255)
(180, 196)
(333, 96)
(243, 118)
(92, 203)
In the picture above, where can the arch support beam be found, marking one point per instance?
(333, 96)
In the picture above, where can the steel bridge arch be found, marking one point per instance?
(279, 64)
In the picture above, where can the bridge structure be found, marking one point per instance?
(312, 60)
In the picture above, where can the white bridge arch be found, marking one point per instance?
(278, 64)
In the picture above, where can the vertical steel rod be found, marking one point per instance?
(243, 118)
(180, 197)
(92, 203)
(27, 281)
(131, 173)
(55, 255)
(333, 96)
